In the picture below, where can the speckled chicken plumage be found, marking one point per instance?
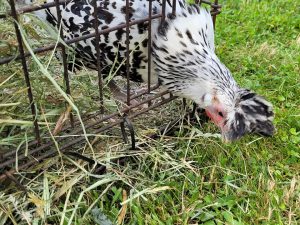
(186, 64)
(78, 20)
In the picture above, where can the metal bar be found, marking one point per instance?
(163, 11)
(18, 184)
(37, 50)
(152, 107)
(64, 55)
(130, 127)
(152, 88)
(149, 45)
(215, 10)
(215, 13)
(35, 7)
(127, 52)
(184, 103)
(80, 156)
(174, 7)
(206, 2)
(25, 70)
(97, 45)
(12, 178)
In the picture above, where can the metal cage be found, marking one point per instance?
(38, 149)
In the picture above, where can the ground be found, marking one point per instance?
(186, 178)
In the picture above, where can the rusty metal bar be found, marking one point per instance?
(35, 7)
(64, 55)
(25, 70)
(174, 7)
(215, 9)
(127, 51)
(130, 127)
(149, 44)
(15, 180)
(152, 88)
(97, 45)
(37, 50)
(163, 11)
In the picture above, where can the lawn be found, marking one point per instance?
(186, 178)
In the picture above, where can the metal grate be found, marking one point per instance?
(38, 149)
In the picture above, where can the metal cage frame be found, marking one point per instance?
(39, 150)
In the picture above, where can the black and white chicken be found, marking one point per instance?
(184, 58)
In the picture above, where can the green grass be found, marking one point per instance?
(188, 178)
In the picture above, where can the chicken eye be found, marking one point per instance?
(221, 114)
